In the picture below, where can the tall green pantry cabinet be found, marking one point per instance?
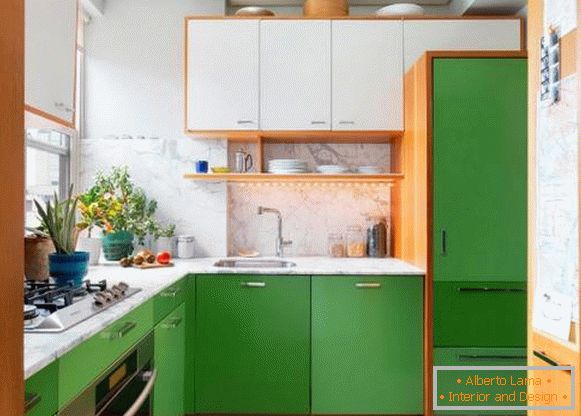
(479, 210)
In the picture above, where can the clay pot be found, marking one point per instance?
(36, 251)
(328, 8)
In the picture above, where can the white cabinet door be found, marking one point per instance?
(50, 57)
(476, 34)
(367, 75)
(295, 74)
(222, 75)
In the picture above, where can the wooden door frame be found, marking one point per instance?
(12, 205)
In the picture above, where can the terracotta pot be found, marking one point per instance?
(327, 8)
(36, 251)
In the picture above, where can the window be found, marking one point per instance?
(47, 168)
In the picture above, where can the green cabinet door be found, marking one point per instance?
(367, 345)
(42, 392)
(252, 344)
(190, 302)
(170, 354)
(479, 169)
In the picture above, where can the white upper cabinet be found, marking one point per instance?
(367, 75)
(295, 74)
(50, 56)
(222, 75)
(467, 34)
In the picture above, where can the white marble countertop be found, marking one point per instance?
(42, 349)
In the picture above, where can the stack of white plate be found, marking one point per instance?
(370, 170)
(332, 169)
(287, 166)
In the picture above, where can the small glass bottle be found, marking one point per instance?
(336, 245)
(356, 237)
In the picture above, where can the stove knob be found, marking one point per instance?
(108, 294)
(100, 299)
(116, 291)
(123, 286)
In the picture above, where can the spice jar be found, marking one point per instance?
(355, 241)
(376, 236)
(336, 245)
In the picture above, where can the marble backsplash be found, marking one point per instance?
(158, 165)
(310, 212)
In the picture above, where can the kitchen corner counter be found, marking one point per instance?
(42, 349)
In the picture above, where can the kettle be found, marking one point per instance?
(243, 161)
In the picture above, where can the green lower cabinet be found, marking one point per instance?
(189, 403)
(367, 345)
(480, 314)
(252, 344)
(170, 354)
(41, 391)
(479, 357)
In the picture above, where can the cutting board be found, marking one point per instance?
(152, 265)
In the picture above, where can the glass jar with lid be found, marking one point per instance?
(356, 241)
(336, 245)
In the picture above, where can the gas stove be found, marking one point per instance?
(49, 308)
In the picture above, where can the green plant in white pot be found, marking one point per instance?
(164, 238)
(93, 209)
(66, 266)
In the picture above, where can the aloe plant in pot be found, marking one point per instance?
(58, 219)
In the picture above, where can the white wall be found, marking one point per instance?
(134, 86)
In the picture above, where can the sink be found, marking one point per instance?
(255, 263)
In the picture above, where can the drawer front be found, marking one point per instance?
(480, 357)
(81, 366)
(169, 299)
(40, 390)
(479, 314)
(560, 380)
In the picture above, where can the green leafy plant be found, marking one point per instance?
(58, 219)
(120, 205)
(168, 231)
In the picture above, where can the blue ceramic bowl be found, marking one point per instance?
(68, 268)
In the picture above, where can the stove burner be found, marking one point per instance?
(49, 296)
(30, 312)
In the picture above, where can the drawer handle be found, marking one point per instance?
(255, 285)
(492, 289)
(346, 122)
(444, 236)
(171, 293)
(126, 328)
(30, 401)
(367, 285)
(543, 356)
(316, 122)
(491, 357)
(245, 122)
(172, 323)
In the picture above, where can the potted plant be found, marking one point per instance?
(164, 238)
(93, 209)
(127, 213)
(58, 219)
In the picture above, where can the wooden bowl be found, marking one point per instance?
(253, 11)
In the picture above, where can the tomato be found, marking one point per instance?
(163, 257)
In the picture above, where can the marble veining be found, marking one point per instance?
(310, 212)
(42, 349)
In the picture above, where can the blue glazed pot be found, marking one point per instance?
(67, 268)
(117, 245)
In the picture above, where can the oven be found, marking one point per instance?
(125, 389)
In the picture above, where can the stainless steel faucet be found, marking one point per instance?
(281, 243)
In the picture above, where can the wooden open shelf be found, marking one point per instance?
(301, 136)
(301, 177)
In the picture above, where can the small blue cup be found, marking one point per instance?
(201, 166)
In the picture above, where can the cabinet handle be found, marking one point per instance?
(490, 357)
(171, 293)
(31, 400)
(346, 122)
(121, 332)
(367, 285)
(245, 122)
(492, 289)
(543, 356)
(318, 122)
(254, 284)
(444, 242)
(64, 107)
(172, 323)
